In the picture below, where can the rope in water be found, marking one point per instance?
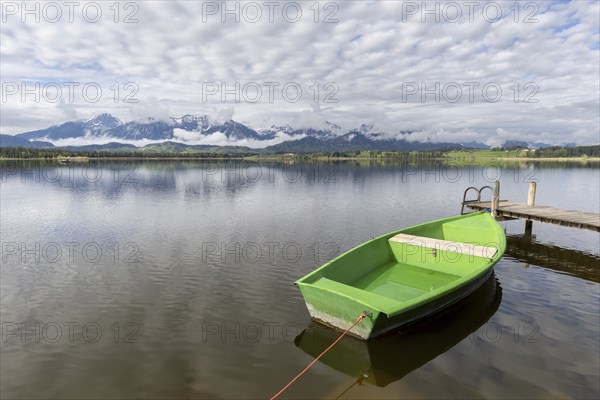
(362, 316)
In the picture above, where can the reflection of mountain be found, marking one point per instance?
(387, 359)
(573, 262)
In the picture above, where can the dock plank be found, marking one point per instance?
(553, 215)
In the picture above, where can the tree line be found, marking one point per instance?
(50, 153)
(558, 151)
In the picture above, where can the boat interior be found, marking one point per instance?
(405, 265)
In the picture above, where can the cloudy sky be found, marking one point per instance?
(452, 71)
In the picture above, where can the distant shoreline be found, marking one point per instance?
(550, 159)
(292, 158)
(580, 154)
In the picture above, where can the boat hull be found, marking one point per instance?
(379, 323)
(389, 358)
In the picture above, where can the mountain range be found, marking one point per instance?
(108, 132)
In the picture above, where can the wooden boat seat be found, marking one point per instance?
(445, 245)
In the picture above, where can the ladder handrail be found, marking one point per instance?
(484, 187)
(478, 199)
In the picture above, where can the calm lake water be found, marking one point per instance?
(175, 280)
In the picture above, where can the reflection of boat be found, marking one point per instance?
(389, 358)
(573, 262)
(405, 275)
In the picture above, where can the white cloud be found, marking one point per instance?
(69, 111)
(369, 53)
(89, 140)
(183, 135)
(151, 108)
(220, 139)
(223, 115)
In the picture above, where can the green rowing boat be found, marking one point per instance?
(404, 276)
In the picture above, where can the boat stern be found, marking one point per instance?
(339, 311)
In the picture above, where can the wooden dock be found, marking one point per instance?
(506, 209)
(511, 210)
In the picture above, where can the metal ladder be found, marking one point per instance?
(478, 199)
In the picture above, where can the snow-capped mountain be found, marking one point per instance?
(100, 125)
(203, 130)
(329, 131)
(188, 128)
(106, 126)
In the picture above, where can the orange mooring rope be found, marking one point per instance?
(362, 316)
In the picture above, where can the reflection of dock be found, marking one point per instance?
(573, 262)
(505, 209)
(387, 359)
